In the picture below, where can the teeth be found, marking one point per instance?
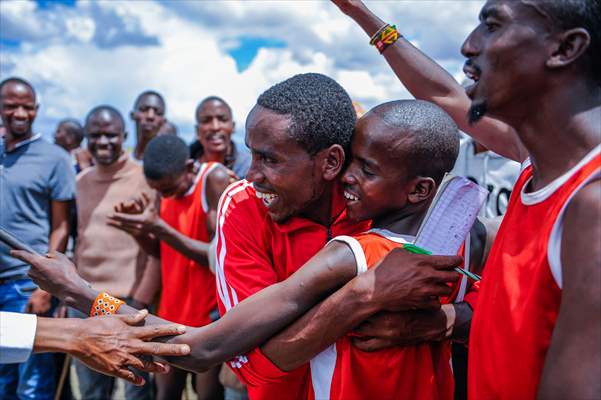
(267, 198)
(350, 196)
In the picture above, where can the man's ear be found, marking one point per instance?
(124, 136)
(331, 161)
(190, 165)
(132, 115)
(570, 46)
(197, 130)
(423, 189)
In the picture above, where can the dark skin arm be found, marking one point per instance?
(409, 284)
(149, 229)
(384, 287)
(426, 80)
(40, 301)
(573, 362)
(149, 284)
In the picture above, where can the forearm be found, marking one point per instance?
(320, 327)
(150, 244)
(59, 237)
(150, 282)
(193, 249)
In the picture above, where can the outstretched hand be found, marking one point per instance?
(54, 273)
(111, 344)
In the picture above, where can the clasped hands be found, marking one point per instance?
(406, 288)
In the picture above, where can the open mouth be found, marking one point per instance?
(472, 72)
(350, 196)
(267, 198)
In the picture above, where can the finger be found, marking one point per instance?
(154, 367)
(445, 262)
(372, 344)
(162, 349)
(151, 332)
(129, 376)
(25, 256)
(133, 319)
(445, 277)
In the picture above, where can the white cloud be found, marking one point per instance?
(114, 50)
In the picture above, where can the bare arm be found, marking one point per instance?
(573, 363)
(426, 80)
(59, 230)
(240, 330)
(393, 285)
(149, 284)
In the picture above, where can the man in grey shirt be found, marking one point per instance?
(37, 184)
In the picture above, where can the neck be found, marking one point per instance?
(215, 156)
(559, 131)
(404, 222)
(320, 210)
(141, 142)
(112, 167)
(10, 140)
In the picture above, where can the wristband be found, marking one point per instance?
(384, 37)
(105, 304)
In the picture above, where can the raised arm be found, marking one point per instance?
(427, 80)
(573, 362)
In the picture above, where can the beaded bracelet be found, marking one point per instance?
(384, 37)
(105, 304)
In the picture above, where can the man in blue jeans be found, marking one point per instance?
(37, 184)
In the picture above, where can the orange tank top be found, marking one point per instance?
(189, 291)
(521, 291)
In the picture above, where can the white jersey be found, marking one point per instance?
(493, 172)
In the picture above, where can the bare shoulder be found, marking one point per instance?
(580, 250)
(219, 175)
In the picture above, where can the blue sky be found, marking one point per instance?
(79, 54)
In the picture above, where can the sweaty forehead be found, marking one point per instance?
(376, 139)
(150, 100)
(214, 107)
(266, 128)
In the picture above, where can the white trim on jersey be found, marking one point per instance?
(196, 180)
(543, 194)
(554, 245)
(223, 289)
(207, 171)
(356, 249)
(322, 371)
(393, 236)
(466, 266)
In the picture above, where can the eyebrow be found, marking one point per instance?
(490, 11)
(369, 163)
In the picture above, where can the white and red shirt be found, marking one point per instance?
(254, 252)
(520, 296)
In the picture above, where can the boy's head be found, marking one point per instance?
(400, 153)
(167, 166)
(105, 130)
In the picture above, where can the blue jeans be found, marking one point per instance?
(33, 379)
(96, 386)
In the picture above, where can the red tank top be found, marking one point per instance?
(521, 291)
(189, 291)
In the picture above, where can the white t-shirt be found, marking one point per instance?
(493, 172)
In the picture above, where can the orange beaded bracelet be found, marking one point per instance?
(105, 304)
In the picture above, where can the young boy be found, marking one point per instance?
(179, 234)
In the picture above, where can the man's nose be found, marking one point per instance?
(470, 48)
(254, 174)
(150, 113)
(103, 140)
(20, 113)
(214, 124)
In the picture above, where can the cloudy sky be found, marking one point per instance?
(79, 54)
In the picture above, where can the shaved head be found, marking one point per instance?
(14, 81)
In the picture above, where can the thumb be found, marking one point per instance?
(135, 319)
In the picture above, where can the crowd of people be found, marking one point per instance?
(281, 267)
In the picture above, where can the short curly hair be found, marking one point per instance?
(321, 111)
(165, 156)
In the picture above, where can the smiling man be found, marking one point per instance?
(107, 257)
(37, 184)
(214, 129)
(536, 98)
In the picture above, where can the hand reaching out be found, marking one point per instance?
(138, 217)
